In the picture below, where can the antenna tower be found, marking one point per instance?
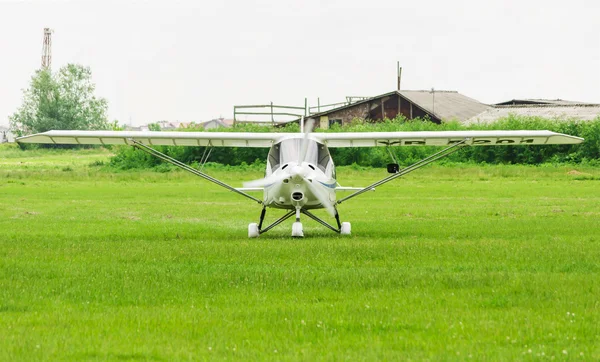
(47, 49)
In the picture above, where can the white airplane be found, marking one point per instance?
(300, 174)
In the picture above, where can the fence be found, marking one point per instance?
(273, 111)
(326, 107)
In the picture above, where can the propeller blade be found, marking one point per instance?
(310, 124)
(266, 181)
(322, 196)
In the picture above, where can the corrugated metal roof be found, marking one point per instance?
(584, 112)
(446, 105)
(525, 101)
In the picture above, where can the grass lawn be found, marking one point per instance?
(448, 263)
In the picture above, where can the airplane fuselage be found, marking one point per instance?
(299, 174)
(300, 187)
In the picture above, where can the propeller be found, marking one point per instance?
(322, 196)
(271, 179)
(310, 124)
(294, 171)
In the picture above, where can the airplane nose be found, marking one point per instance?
(297, 173)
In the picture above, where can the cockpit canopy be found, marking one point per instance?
(289, 150)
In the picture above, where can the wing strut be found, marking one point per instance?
(171, 160)
(205, 155)
(436, 156)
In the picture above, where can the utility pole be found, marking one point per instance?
(433, 100)
(47, 49)
(399, 74)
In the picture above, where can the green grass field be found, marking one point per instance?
(449, 263)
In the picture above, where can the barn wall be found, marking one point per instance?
(347, 115)
(392, 106)
(419, 113)
(369, 110)
(405, 108)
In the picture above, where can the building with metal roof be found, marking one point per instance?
(584, 112)
(217, 123)
(436, 105)
(522, 102)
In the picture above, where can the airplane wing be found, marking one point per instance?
(144, 139)
(445, 138)
(453, 140)
(346, 139)
(153, 138)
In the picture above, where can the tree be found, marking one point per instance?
(154, 127)
(64, 100)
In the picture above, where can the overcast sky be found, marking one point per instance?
(192, 61)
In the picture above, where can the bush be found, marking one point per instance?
(587, 152)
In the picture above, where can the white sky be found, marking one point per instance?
(193, 60)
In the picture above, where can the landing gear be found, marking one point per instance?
(345, 229)
(342, 228)
(297, 226)
(253, 230)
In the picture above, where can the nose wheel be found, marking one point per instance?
(297, 226)
(297, 230)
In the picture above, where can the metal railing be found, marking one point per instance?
(273, 111)
(326, 107)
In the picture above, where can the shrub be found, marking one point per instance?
(587, 152)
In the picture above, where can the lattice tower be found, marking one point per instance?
(47, 49)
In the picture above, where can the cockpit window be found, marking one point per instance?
(289, 151)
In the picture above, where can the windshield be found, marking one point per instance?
(289, 151)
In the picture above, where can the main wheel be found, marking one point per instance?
(297, 230)
(253, 230)
(345, 230)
